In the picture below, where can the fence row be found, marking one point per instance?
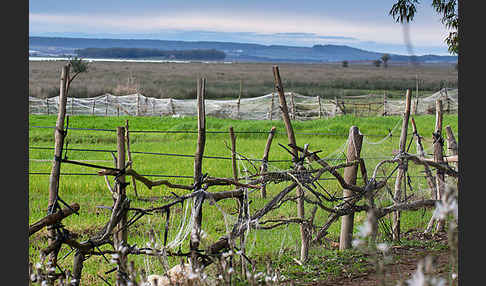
(260, 108)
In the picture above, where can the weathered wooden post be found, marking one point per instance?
(93, 109)
(402, 168)
(120, 232)
(201, 141)
(117, 107)
(421, 154)
(384, 103)
(59, 135)
(355, 141)
(335, 106)
(271, 107)
(171, 107)
(106, 105)
(138, 104)
(292, 105)
(72, 105)
(264, 166)
(129, 155)
(439, 156)
(47, 104)
(239, 100)
(304, 250)
(320, 106)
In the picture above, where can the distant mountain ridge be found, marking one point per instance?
(57, 46)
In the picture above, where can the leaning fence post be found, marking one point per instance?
(59, 135)
(355, 141)
(304, 250)
(402, 168)
(201, 141)
(264, 165)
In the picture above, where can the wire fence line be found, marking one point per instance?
(212, 131)
(192, 156)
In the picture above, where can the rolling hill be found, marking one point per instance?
(243, 52)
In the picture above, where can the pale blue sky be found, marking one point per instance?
(363, 24)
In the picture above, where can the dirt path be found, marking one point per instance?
(405, 263)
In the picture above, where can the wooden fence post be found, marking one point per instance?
(401, 169)
(138, 104)
(264, 165)
(384, 103)
(421, 154)
(129, 155)
(106, 105)
(439, 156)
(355, 141)
(201, 141)
(239, 100)
(335, 106)
(292, 103)
(59, 135)
(320, 106)
(93, 110)
(271, 106)
(304, 250)
(47, 104)
(120, 232)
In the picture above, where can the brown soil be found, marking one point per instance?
(405, 260)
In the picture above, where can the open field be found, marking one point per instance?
(151, 157)
(178, 80)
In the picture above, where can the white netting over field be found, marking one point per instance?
(264, 107)
(426, 105)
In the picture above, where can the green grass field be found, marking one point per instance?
(279, 244)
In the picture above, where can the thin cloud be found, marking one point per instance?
(261, 26)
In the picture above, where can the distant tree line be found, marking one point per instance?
(136, 53)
